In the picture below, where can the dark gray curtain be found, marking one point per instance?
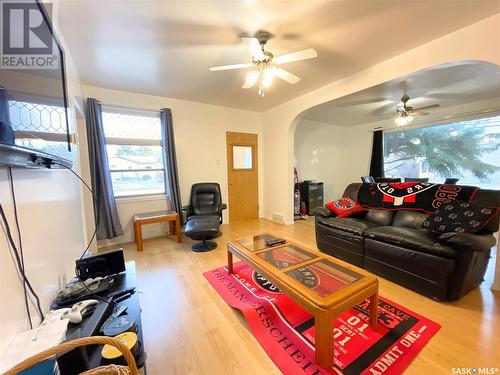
(377, 160)
(170, 161)
(108, 223)
(6, 132)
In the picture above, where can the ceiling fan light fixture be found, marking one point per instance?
(251, 78)
(268, 76)
(266, 64)
(404, 119)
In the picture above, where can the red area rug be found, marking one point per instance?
(286, 331)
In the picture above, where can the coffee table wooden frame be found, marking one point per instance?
(324, 309)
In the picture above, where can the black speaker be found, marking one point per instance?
(311, 193)
(103, 264)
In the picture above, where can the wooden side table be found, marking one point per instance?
(157, 217)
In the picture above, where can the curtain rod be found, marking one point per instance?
(462, 116)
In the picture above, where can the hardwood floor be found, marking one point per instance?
(189, 329)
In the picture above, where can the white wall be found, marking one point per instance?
(496, 281)
(200, 138)
(318, 155)
(52, 230)
(336, 155)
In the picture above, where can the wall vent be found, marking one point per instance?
(278, 218)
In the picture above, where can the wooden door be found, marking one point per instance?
(242, 175)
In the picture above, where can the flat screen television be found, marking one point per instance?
(34, 127)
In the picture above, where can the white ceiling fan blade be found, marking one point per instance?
(296, 56)
(419, 112)
(228, 67)
(250, 80)
(286, 76)
(255, 48)
(427, 107)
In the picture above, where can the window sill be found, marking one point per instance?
(140, 198)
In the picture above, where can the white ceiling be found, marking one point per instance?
(449, 85)
(165, 47)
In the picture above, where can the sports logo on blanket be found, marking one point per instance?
(398, 193)
(420, 196)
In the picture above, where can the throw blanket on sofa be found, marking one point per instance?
(419, 196)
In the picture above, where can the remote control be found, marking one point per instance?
(275, 241)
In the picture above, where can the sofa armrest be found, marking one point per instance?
(322, 211)
(469, 241)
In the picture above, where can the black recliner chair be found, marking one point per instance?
(204, 215)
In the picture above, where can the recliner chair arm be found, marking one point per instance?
(222, 207)
(187, 210)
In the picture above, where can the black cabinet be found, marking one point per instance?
(311, 193)
(85, 358)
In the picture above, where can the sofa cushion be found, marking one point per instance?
(379, 217)
(348, 224)
(345, 207)
(411, 239)
(409, 219)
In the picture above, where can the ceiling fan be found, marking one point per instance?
(265, 65)
(406, 113)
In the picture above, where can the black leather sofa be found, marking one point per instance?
(392, 245)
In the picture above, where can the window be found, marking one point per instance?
(468, 150)
(40, 126)
(242, 157)
(133, 142)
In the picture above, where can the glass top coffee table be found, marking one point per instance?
(323, 285)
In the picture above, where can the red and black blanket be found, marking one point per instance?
(418, 196)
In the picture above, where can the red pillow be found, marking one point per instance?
(345, 207)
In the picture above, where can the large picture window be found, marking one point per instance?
(468, 150)
(133, 142)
